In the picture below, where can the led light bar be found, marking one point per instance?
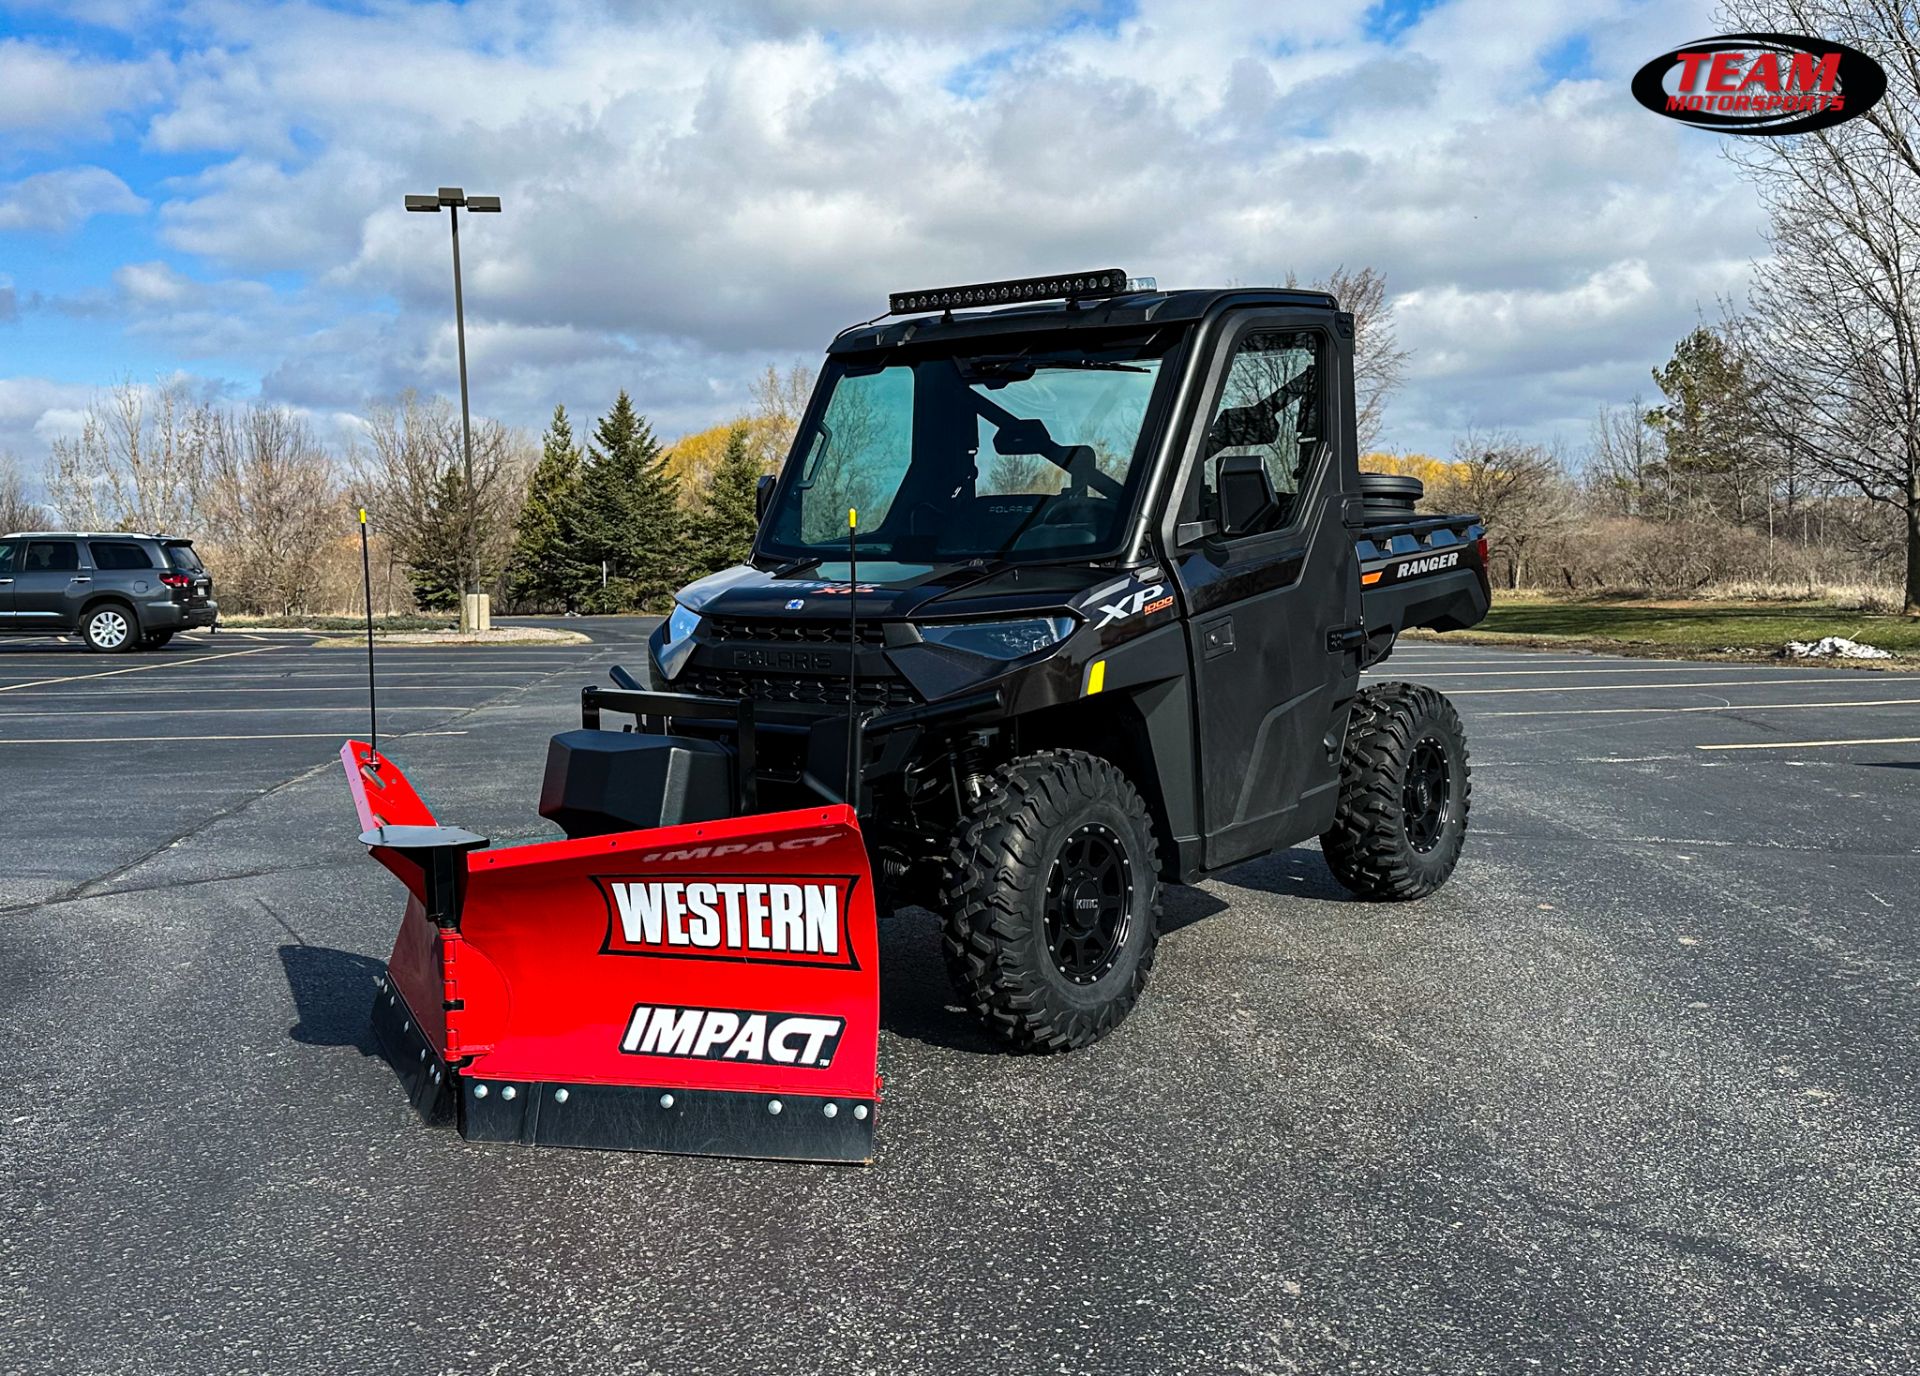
(1103, 282)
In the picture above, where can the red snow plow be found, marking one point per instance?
(705, 987)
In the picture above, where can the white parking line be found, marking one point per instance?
(221, 681)
(361, 689)
(1603, 669)
(1663, 687)
(172, 712)
(1716, 707)
(136, 669)
(139, 740)
(1402, 661)
(1814, 745)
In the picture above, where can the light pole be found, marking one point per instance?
(452, 197)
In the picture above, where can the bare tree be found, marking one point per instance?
(1521, 490)
(137, 463)
(779, 400)
(1379, 363)
(412, 459)
(16, 511)
(1626, 459)
(1832, 327)
(270, 503)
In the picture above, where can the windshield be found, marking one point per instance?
(1015, 451)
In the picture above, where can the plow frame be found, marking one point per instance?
(524, 1063)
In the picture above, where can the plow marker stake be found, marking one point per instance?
(708, 988)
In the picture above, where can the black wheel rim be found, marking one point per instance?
(1089, 904)
(1426, 799)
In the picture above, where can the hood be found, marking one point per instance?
(893, 592)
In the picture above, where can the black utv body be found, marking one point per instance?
(1098, 624)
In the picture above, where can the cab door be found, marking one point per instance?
(1271, 610)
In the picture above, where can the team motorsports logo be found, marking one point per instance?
(1760, 83)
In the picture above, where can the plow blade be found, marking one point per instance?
(708, 988)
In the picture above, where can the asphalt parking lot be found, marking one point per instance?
(1635, 1092)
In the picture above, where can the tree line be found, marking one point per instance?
(614, 524)
(1684, 492)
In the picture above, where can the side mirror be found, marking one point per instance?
(762, 496)
(1247, 498)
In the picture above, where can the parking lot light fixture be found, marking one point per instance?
(453, 198)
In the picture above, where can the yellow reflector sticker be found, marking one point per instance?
(1096, 676)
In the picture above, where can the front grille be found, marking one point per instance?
(732, 683)
(794, 632)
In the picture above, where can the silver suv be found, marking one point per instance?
(115, 590)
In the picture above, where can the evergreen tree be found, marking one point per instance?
(545, 568)
(1708, 424)
(435, 554)
(726, 522)
(629, 515)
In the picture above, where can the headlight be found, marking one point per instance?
(1002, 639)
(680, 626)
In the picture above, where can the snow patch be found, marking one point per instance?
(1834, 647)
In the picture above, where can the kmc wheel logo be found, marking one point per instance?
(1760, 83)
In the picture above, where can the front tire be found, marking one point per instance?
(1053, 901)
(1405, 789)
(110, 629)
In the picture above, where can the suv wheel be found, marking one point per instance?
(1404, 794)
(1053, 901)
(109, 628)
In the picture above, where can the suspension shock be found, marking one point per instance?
(972, 769)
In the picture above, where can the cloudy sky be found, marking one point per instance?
(213, 190)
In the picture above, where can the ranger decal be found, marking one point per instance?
(1433, 563)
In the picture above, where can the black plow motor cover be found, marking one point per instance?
(601, 782)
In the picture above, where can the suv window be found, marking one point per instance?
(6, 556)
(183, 558)
(1270, 405)
(118, 554)
(51, 556)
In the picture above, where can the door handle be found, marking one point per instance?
(1344, 638)
(83, 580)
(5, 580)
(1216, 638)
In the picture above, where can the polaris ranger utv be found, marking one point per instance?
(1064, 593)
(1099, 626)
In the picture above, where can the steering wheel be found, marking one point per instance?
(1072, 511)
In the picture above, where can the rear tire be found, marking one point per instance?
(110, 628)
(1053, 902)
(1405, 790)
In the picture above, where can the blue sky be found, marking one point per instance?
(211, 192)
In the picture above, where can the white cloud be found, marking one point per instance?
(64, 199)
(689, 193)
(47, 92)
(36, 410)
